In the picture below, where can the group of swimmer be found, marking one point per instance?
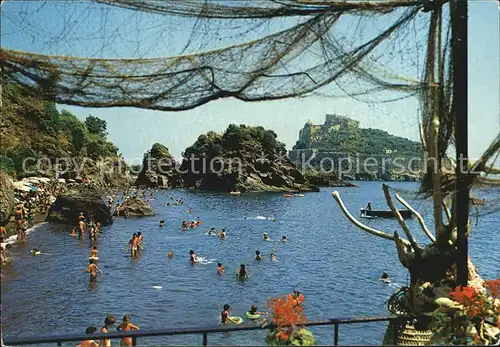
(191, 224)
(109, 321)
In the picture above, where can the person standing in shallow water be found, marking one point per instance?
(109, 321)
(92, 269)
(126, 325)
(89, 342)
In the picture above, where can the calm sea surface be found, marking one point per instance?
(334, 264)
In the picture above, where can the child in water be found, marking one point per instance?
(258, 257)
(126, 325)
(254, 310)
(73, 232)
(225, 315)
(242, 272)
(192, 257)
(89, 342)
(220, 269)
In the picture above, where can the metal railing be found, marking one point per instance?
(59, 339)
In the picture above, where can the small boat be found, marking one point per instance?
(234, 193)
(385, 214)
(299, 195)
(287, 195)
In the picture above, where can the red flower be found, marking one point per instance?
(463, 295)
(494, 286)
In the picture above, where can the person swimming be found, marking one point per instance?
(266, 237)
(93, 253)
(225, 315)
(89, 342)
(212, 231)
(162, 223)
(192, 257)
(254, 311)
(170, 254)
(222, 234)
(385, 277)
(242, 272)
(35, 251)
(284, 239)
(257, 255)
(220, 269)
(273, 257)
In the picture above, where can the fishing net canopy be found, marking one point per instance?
(304, 59)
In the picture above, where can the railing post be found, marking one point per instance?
(205, 339)
(336, 334)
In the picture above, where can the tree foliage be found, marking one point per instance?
(95, 125)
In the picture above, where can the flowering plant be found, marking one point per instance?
(286, 319)
(475, 318)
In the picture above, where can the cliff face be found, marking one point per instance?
(6, 197)
(159, 169)
(241, 159)
(365, 154)
(38, 140)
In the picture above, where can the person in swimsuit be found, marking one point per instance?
(19, 217)
(81, 227)
(93, 253)
(139, 241)
(225, 315)
(266, 237)
(284, 239)
(220, 269)
(126, 325)
(109, 321)
(162, 223)
(258, 257)
(170, 254)
(192, 257)
(73, 232)
(89, 343)
(133, 245)
(92, 269)
(273, 257)
(242, 272)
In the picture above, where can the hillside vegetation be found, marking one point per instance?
(35, 129)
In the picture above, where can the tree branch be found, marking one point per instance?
(419, 218)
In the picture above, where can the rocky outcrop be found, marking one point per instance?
(136, 207)
(69, 204)
(159, 169)
(245, 159)
(6, 197)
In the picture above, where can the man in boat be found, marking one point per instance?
(369, 207)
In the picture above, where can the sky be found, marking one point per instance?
(94, 30)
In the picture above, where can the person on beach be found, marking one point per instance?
(258, 257)
(126, 325)
(93, 253)
(242, 272)
(109, 321)
(89, 342)
(92, 269)
(220, 269)
(192, 257)
(225, 315)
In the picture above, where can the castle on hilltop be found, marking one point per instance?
(313, 136)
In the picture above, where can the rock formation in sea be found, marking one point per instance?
(243, 158)
(136, 207)
(364, 154)
(86, 199)
(159, 169)
(6, 197)
(323, 179)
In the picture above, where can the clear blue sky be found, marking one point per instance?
(89, 29)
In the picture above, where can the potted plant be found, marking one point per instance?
(471, 317)
(286, 321)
